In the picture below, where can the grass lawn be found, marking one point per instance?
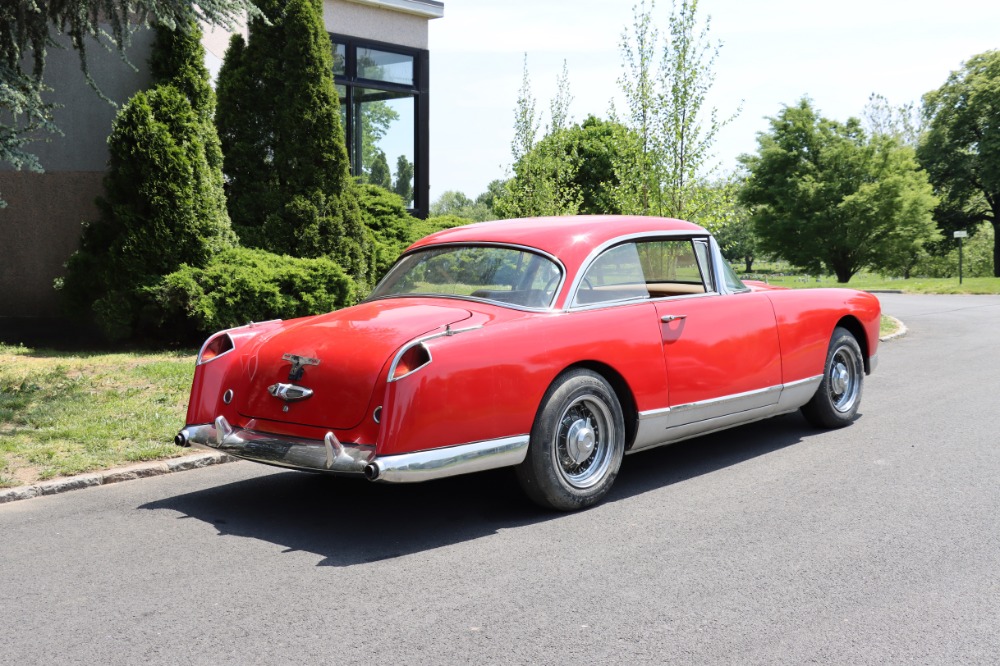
(67, 413)
(871, 282)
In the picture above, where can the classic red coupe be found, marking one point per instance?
(554, 346)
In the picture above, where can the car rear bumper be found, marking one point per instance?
(331, 456)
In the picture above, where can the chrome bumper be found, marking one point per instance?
(331, 456)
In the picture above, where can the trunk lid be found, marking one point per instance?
(352, 346)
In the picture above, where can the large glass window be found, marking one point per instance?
(383, 97)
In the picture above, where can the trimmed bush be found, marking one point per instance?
(163, 207)
(241, 285)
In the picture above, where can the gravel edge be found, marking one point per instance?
(141, 471)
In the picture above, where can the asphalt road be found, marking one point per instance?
(770, 543)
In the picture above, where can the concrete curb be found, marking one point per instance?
(898, 334)
(142, 471)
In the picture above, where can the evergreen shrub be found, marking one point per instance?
(241, 285)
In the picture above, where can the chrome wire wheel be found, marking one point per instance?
(577, 443)
(836, 401)
(582, 444)
(844, 384)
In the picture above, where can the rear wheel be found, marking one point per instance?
(839, 394)
(577, 443)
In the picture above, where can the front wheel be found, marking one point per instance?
(577, 443)
(839, 394)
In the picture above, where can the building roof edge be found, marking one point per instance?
(429, 9)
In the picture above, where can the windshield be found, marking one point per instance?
(495, 273)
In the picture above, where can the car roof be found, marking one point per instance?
(570, 239)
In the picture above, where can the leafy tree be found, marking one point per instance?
(666, 170)
(826, 196)
(961, 149)
(879, 117)
(571, 170)
(380, 174)
(543, 174)
(456, 203)
(526, 122)
(403, 186)
(290, 188)
(29, 28)
(559, 106)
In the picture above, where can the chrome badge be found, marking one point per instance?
(289, 392)
(299, 364)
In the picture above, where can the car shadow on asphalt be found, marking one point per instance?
(352, 521)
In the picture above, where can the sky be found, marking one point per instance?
(773, 53)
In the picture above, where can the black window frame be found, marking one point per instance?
(419, 91)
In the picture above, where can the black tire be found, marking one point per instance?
(577, 443)
(838, 397)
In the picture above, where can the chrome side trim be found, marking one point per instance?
(716, 407)
(449, 461)
(672, 424)
(872, 363)
(327, 455)
(796, 394)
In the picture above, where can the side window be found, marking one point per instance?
(616, 275)
(733, 283)
(675, 267)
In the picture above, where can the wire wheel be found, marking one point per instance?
(582, 443)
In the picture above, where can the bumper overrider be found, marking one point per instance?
(332, 456)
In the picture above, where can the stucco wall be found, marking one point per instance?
(383, 25)
(39, 230)
(40, 227)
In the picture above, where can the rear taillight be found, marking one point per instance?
(409, 361)
(215, 347)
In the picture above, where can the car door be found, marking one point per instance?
(720, 350)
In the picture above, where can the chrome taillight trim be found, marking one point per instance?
(201, 352)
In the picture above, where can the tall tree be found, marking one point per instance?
(29, 28)
(290, 188)
(403, 185)
(559, 106)
(526, 121)
(665, 86)
(826, 196)
(961, 149)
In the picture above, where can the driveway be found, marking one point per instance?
(770, 543)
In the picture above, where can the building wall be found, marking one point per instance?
(41, 225)
(375, 23)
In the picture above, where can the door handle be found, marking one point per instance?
(669, 318)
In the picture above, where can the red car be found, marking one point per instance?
(554, 346)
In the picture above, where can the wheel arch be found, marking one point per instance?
(852, 324)
(622, 391)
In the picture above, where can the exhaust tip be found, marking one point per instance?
(182, 439)
(372, 471)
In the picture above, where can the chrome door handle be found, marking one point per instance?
(669, 318)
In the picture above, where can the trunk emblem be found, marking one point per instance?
(289, 392)
(299, 364)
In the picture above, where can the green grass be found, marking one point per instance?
(887, 326)
(67, 413)
(870, 282)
